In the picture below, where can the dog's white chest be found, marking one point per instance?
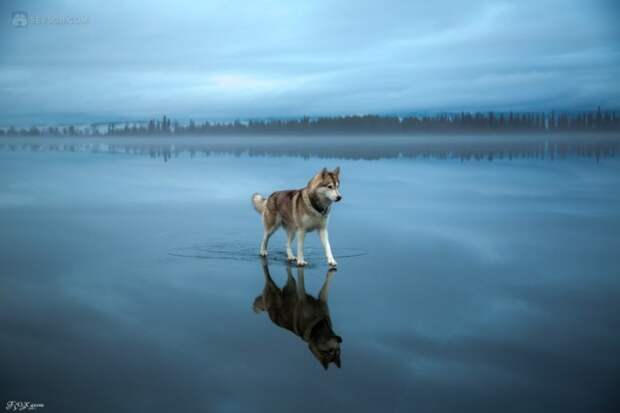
(310, 223)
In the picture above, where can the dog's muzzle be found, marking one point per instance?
(338, 198)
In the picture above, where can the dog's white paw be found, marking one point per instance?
(291, 258)
(263, 253)
(301, 263)
(332, 263)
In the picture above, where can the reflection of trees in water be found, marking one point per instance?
(464, 147)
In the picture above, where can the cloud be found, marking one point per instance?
(231, 59)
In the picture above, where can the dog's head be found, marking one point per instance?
(326, 349)
(326, 184)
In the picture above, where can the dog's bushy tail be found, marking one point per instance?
(259, 202)
(259, 304)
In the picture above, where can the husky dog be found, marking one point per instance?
(302, 314)
(300, 211)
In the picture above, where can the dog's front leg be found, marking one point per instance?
(328, 248)
(325, 287)
(301, 235)
(289, 251)
(301, 285)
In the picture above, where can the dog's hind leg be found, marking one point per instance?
(266, 273)
(301, 285)
(290, 288)
(263, 245)
(270, 223)
(290, 234)
(260, 303)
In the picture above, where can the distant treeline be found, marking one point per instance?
(553, 146)
(478, 122)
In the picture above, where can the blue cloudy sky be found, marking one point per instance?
(230, 59)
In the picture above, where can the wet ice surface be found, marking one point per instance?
(128, 284)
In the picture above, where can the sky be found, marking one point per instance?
(87, 61)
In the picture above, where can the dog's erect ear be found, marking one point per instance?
(316, 179)
(337, 171)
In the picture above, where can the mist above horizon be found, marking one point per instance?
(229, 60)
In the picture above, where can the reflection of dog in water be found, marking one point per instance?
(306, 316)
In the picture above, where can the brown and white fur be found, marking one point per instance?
(306, 316)
(300, 211)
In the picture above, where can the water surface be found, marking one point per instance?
(463, 285)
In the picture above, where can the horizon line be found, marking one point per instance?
(232, 120)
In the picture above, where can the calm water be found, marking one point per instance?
(464, 285)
